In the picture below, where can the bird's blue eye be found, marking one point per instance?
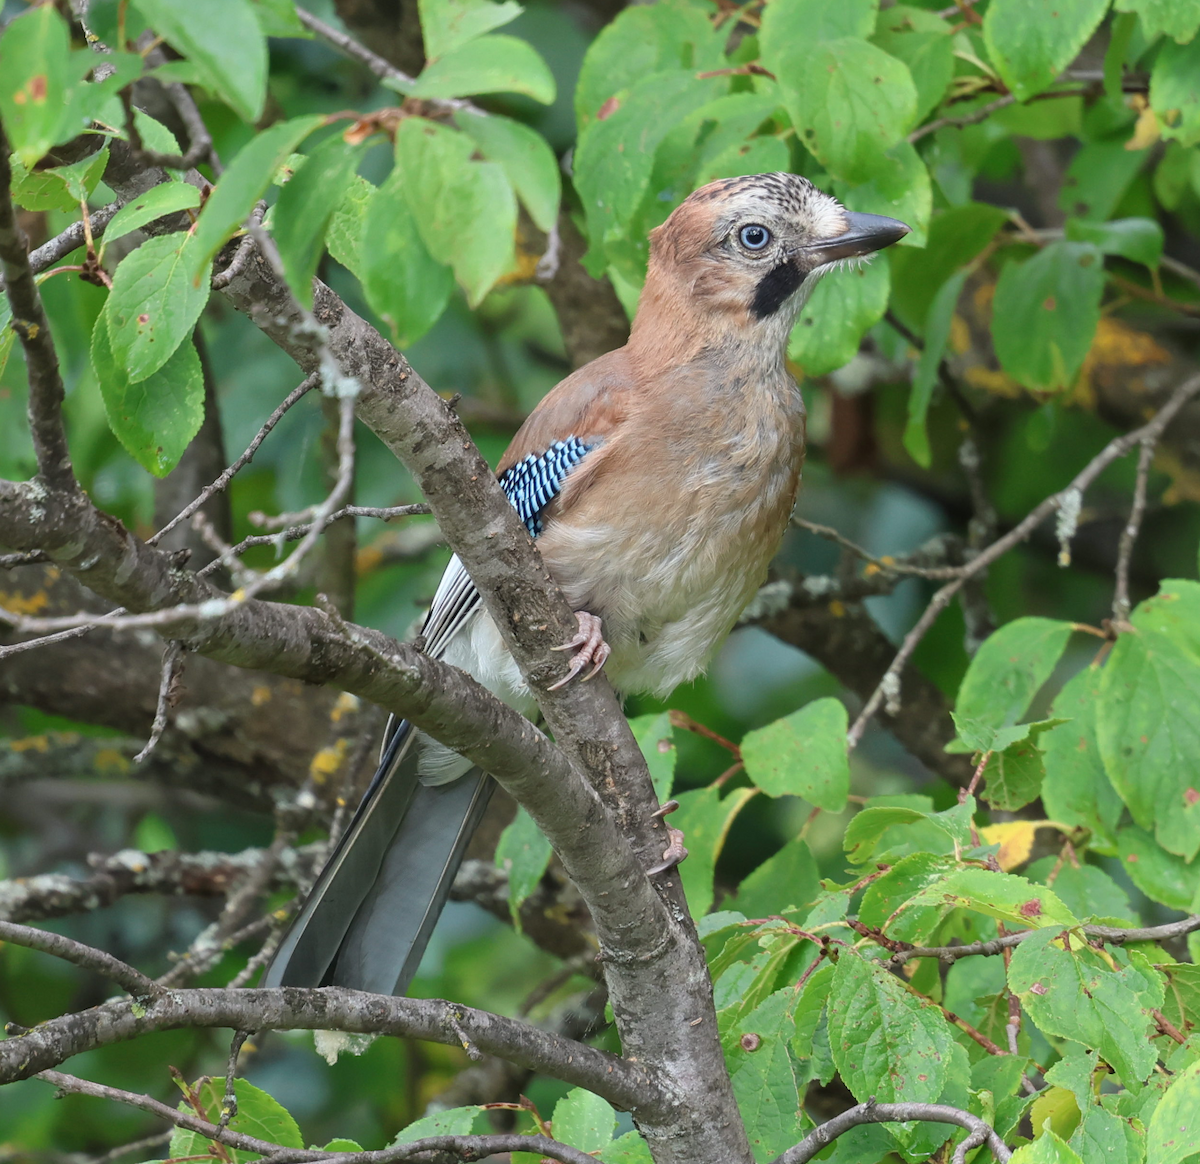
(754, 237)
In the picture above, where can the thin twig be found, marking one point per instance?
(1110, 935)
(245, 249)
(222, 482)
(31, 558)
(1121, 604)
(101, 962)
(980, 114)
(887, 563)
(138, 1146)
(71, 239)
(296, 532)
(229, 1103)
(470, 1147)
(887, 1113)
(171, 666)
(29, 321)
(1116, 448)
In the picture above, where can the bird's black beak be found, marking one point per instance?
(865, 234)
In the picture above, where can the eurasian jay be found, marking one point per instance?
(658, 481)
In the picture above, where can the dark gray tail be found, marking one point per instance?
(369, 916)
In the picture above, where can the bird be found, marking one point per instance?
(657, 481)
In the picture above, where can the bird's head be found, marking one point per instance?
(747, 252)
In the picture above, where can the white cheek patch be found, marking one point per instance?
(828, 218)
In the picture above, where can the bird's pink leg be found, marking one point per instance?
(674, 852)
(589, 647)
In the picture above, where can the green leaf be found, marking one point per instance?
(803, 754)
(448, 24)
(1009, 669)
(785, 21)
(886, 1042)
(1178, 19)
(526, 157)
(1045, 313)
(631, 1148)
(943, 832)
(1160, 875)
(1174, 611)
(1005, 896)
(1046, 1149)
(492, 64)
(305, 206)
(454, 1121)
(849, 101)
(156, 418)
(900, 188)
(258, 1115)
(1030, 46)
(842, 309)
(759, 155)
(154, 304)
(893, 891)
(641, 41)
(705, 820)
(1147, 727)
(764, 1076)
(344, 234)
(1013, 776)
(583, 1120)
(342, 1145)
(1175, 91)
(1103, 1136)
(223, 40)
(1076, 994)
(465, 211)
(925, 376)
(278, 18)
(523, 853)
(955, 238)
(154, 134)
(1086, 890)
(788, 879)
(1076, 790)
(244, 182)
(614, 157)
(924, 42)
(157, 202)
(36, 74)
(655, 737)
(1139, 239)
(1097, 179)
(61, 188)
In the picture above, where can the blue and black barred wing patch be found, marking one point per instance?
(533, 483)
(530, 485)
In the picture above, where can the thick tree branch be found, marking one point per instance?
(629, 1086)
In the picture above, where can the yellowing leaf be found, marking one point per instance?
(1015, 839)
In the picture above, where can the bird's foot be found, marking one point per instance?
(589, 647)
(674, 852)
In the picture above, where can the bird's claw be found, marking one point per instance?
(589, 647)
(674, 852)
